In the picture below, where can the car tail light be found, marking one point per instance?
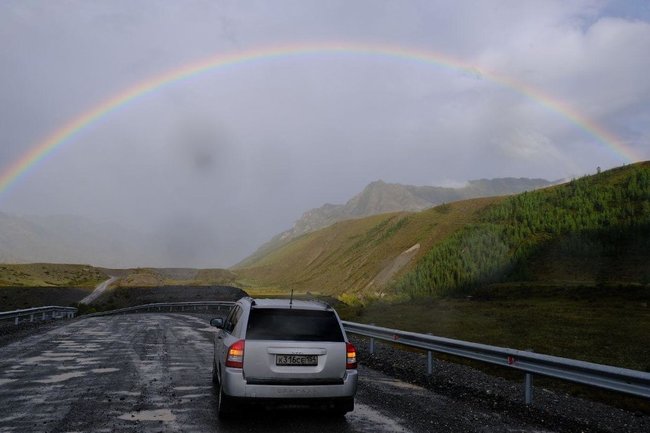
(235, 357)
(350, 357)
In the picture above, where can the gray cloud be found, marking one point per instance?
(215, 165)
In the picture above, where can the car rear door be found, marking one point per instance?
(294, 346)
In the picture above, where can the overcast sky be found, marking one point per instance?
(231, 157)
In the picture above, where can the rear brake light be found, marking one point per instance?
(350, 357)
(235, 357)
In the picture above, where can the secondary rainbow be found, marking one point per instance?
(65, 133)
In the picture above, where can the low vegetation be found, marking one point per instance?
(591, 231)
(358, 257)
(34, 285)
(595, 325)
(50, 275)
(593, 222)
(153, 277)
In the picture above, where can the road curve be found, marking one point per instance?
(151, 373)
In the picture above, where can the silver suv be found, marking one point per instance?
(283, 351)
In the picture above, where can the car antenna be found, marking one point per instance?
(291, 300)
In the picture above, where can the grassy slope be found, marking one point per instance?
(41, 284)
(591, 231)
(606, 328)
(594, 230)
(347, 256)
(38, 284)
(152, 277)
(51, 275)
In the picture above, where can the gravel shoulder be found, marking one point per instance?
(477, 392)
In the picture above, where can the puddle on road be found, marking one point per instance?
(399, 384)
(95, 333)
(129, 393)
(62, 377)
(191, 388)
(70, 367)
(45, 358)
(89, 361)
(366, 419)
(104, 370)
(79, 347)
(164, 415)
(192, 397)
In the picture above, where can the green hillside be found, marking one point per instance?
(593, 230)
(360, 256)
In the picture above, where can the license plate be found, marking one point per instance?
(293, 360)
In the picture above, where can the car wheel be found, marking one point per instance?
(343, 407)
(225, 406)
(215, 373)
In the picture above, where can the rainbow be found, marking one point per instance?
(68, 131)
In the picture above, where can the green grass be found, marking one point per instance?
(50, 275)
(601, 218)
(607, 328)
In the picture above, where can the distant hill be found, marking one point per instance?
(38, 284)
(590, 231)
(359, 256)
(381, 197)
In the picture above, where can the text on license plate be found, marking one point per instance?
(296, 360)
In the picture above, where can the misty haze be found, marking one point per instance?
(202, 169)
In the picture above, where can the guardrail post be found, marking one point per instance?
(31, 317)
(17, 320)
(429, 361)
(372, 345)
(528, 389)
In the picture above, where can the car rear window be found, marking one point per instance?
(294, 325)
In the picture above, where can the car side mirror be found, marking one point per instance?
(217, 323)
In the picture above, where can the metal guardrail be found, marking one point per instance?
(602, 376)
(168, 307)
(39, 313)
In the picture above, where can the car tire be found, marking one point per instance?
(225, 405)
(344, 406)
(215, 373)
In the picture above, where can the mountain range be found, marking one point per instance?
(589, 232)
(380, 197)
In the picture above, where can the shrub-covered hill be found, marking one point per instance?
(359, 256)
(593, 230)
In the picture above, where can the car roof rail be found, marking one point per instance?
(250, 299)
(323, 303)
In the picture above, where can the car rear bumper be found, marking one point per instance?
(235, 385)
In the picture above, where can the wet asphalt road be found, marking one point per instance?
(151, 373)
